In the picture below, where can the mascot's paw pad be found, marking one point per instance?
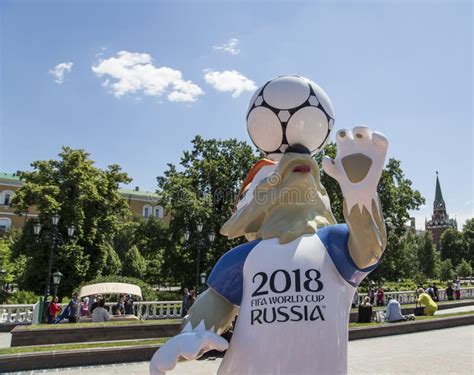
(360, 152)
(358, 164)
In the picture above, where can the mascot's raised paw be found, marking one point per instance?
(358, 164)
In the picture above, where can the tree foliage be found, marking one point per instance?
(446, 271)
(83, 195)
(453, 246)
(468, 234)
(6, 264)
(464, 269)
(201, 190)
(427, 256)
(150, 238)
(134, 263)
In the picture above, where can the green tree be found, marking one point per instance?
(427, 256)
(453, 246)
(468, 234)
(446, 272)
(134, 263)
(464, 269)
(150, 236)
(83, 195)
(203, 190)
(6, 264)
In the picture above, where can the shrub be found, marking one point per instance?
(464, 269)
(21, 297)
(446, 270)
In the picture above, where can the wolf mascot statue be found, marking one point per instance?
(292, 285)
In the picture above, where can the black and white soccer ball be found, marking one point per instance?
(289, 110)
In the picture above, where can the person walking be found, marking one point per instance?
(457, 288)
(185, 303)
(128, 305)
(380, 297)
(426, 300)
(435, 292)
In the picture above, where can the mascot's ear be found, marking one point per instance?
(244, 222)
(234, 227)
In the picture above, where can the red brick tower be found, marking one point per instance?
(440, 220)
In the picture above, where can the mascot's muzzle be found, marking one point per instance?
(299, 149)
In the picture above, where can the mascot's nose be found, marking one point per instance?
(298, 149)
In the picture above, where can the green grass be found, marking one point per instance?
(51, 348)
(93, 325)
(160, 341)
(417, 318)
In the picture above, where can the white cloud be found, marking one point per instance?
(229, 81)
(58, 71)
(229, 47)
(132, 73)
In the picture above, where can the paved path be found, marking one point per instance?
(5, 339)
(446, 352)
(455, 310)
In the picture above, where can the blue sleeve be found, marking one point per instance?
(335, 238)
(226, 277)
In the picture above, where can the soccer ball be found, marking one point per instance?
(289, 110)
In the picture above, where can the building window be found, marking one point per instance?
(159, 212)
(147, 211)
(6, 197)
(5, 224)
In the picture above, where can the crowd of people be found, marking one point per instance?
(426, 300)
(93, 307)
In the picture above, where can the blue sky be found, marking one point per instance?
(403, 68)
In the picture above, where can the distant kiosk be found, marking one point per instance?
(110, 288)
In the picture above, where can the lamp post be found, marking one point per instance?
(2, 275)
(198, 261)
(55, 237)
(211, 237)
(203, 280)
(57, 276)
(55, 220)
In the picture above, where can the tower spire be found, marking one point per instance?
(438, 201)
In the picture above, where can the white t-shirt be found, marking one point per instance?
(294, 300)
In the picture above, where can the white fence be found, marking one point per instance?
(411, 297)
(23, 314)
